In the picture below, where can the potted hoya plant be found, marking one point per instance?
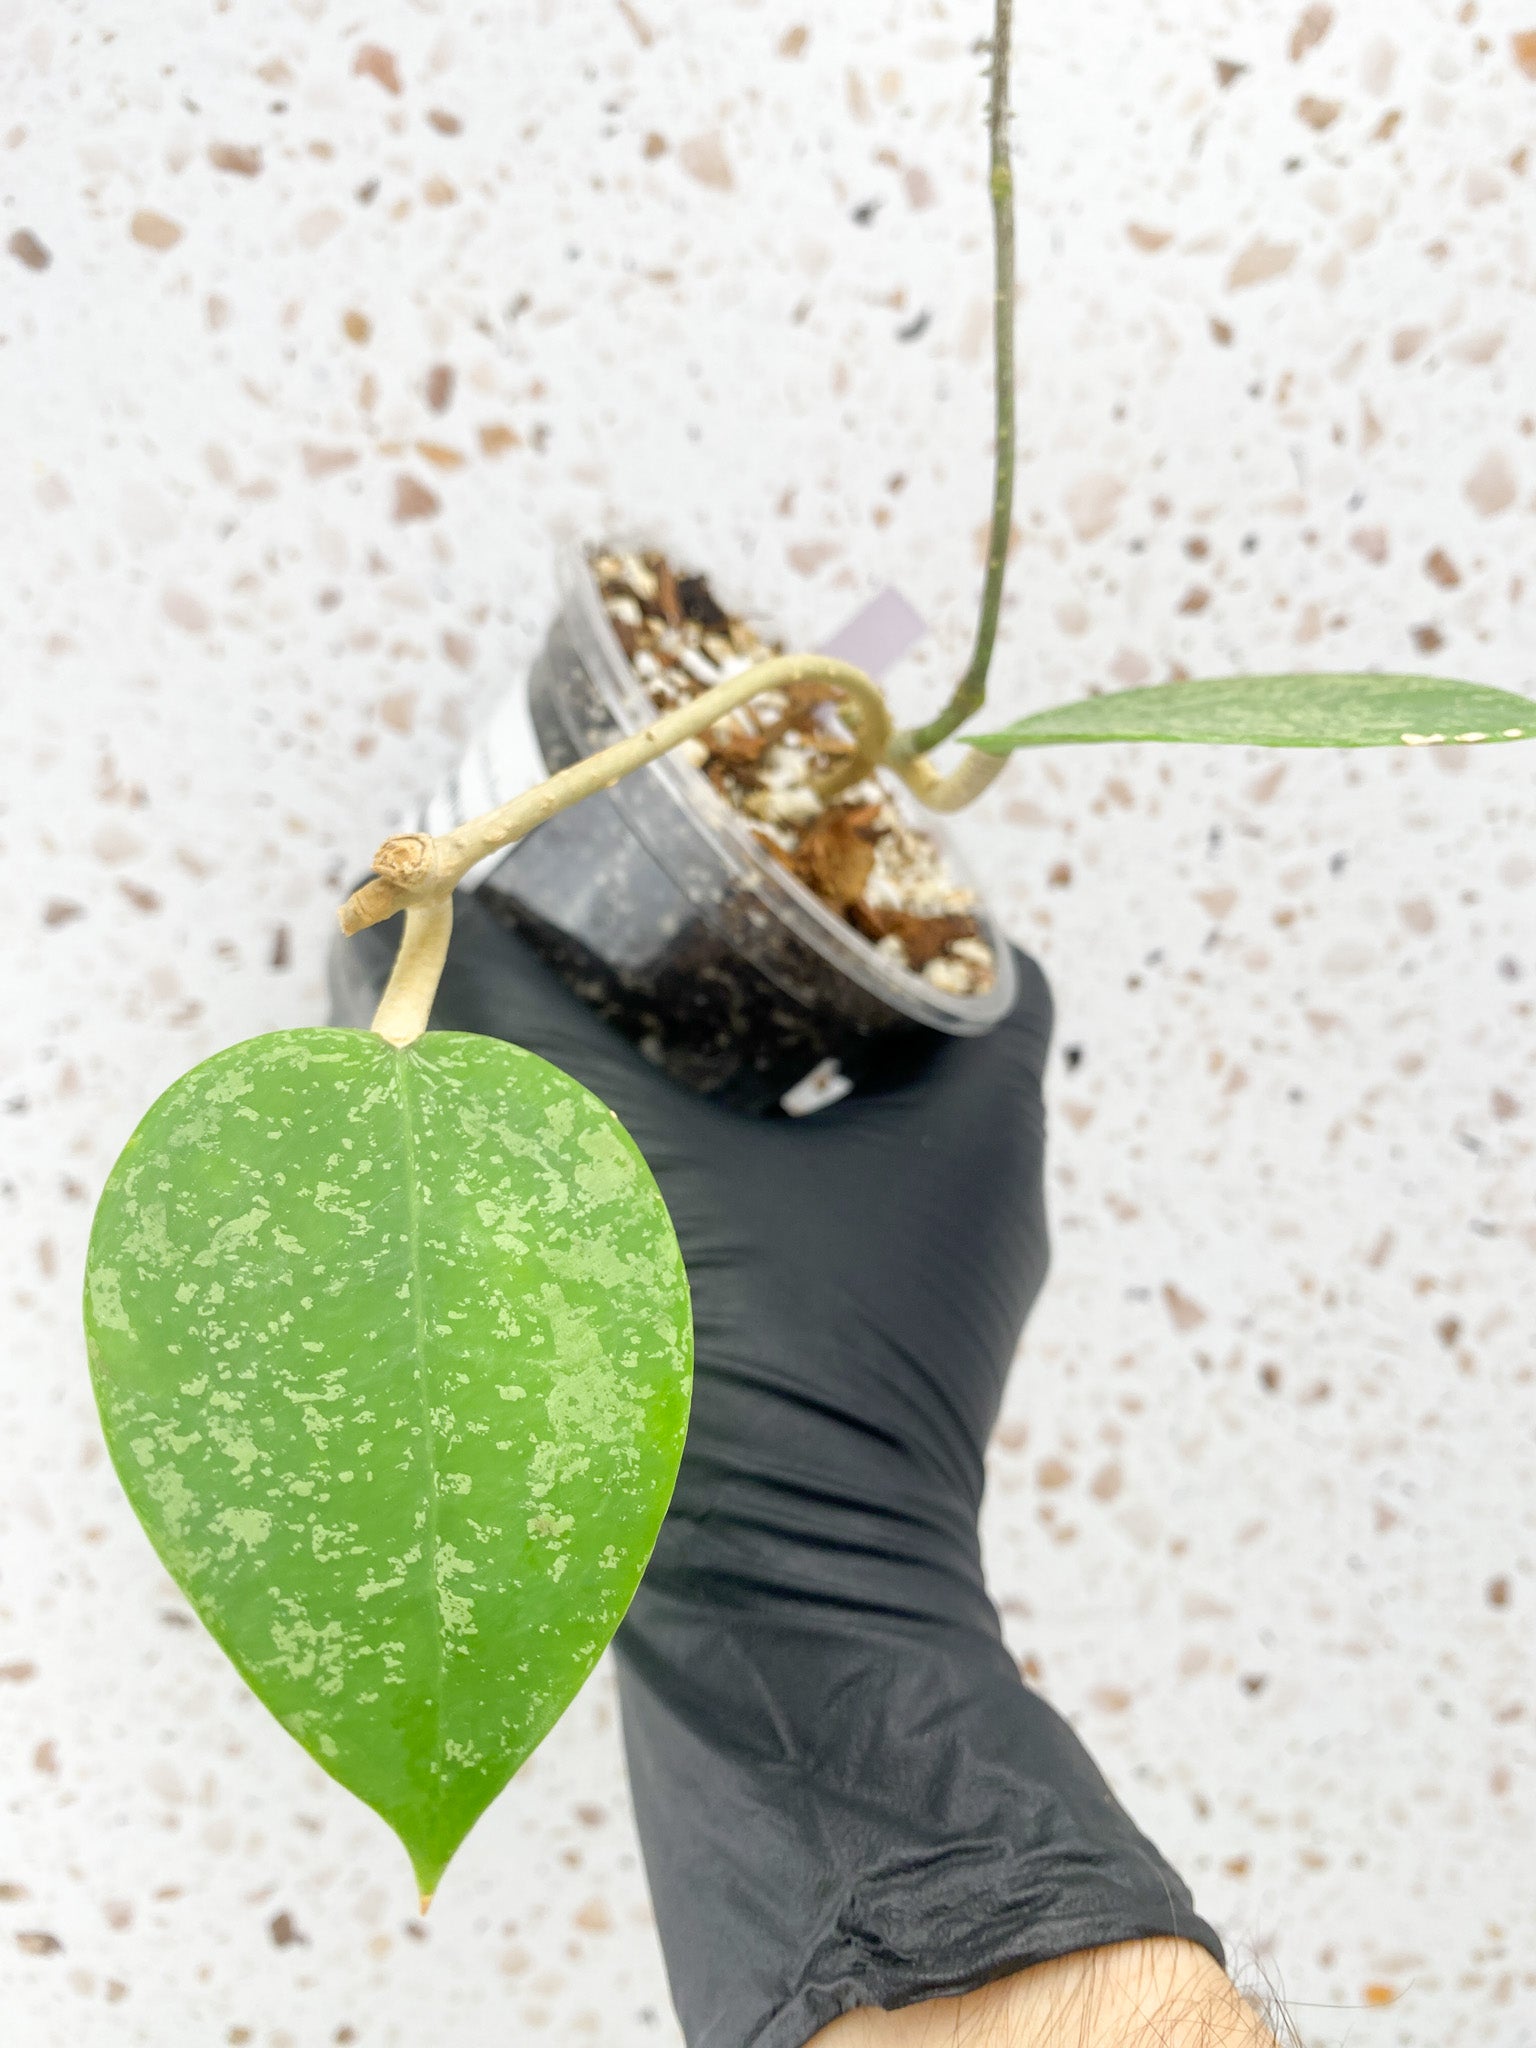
(389, 1328)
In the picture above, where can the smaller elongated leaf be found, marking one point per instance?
(392, 1350)
(1281, 711)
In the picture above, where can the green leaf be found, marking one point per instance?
(1281, 711)
(393, 1352)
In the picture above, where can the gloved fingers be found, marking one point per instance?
(494, 983)
(967, 1078)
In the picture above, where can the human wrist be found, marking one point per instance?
(1131, 1994)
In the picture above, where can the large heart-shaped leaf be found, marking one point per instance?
(1281, 711)
(393, 1351)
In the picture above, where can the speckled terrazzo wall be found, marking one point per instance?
(314, 323)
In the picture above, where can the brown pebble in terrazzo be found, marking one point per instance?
(13, 1894)
(1227, 73)
(1498, 1592)
(441, 379)
(1479, 348)
(1407, 342)
(496, 440)
(1253, 1683)
(184, 610)
(18, 1672)
(444, 122)
(320, 462)
(806, 557)
(242, 160)
(1309, 31)
(793, 41)
(398, 711)
(1052, 1474)
(58, 910)
(1260, 261)
(378, 64)
(653, 146)
(1523, 43)
(1148, 239)
(1318, 114)
(1111, 1699)
(1491, 488)
(356, 326)
(1428, 639)
(284, 1933)
(36, 1943)
(1371, 542)
(27, 249)
(1186, 1314)
(1379, 1994)
(595, 1916)
(1093, 503)
(318, 227)
(413, 500)
(153, 230)
(703, 157)
(439, 455)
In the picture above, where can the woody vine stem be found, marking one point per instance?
(417, 873)
(970, 693)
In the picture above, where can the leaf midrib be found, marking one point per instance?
(416, 1283)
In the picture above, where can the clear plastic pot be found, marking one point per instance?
(655, 903)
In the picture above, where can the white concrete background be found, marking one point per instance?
(1261, 1514)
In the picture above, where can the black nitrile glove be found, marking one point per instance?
(845, 1793)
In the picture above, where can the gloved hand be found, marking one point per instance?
(845, 1793)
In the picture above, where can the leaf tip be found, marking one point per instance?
(426, 1903)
